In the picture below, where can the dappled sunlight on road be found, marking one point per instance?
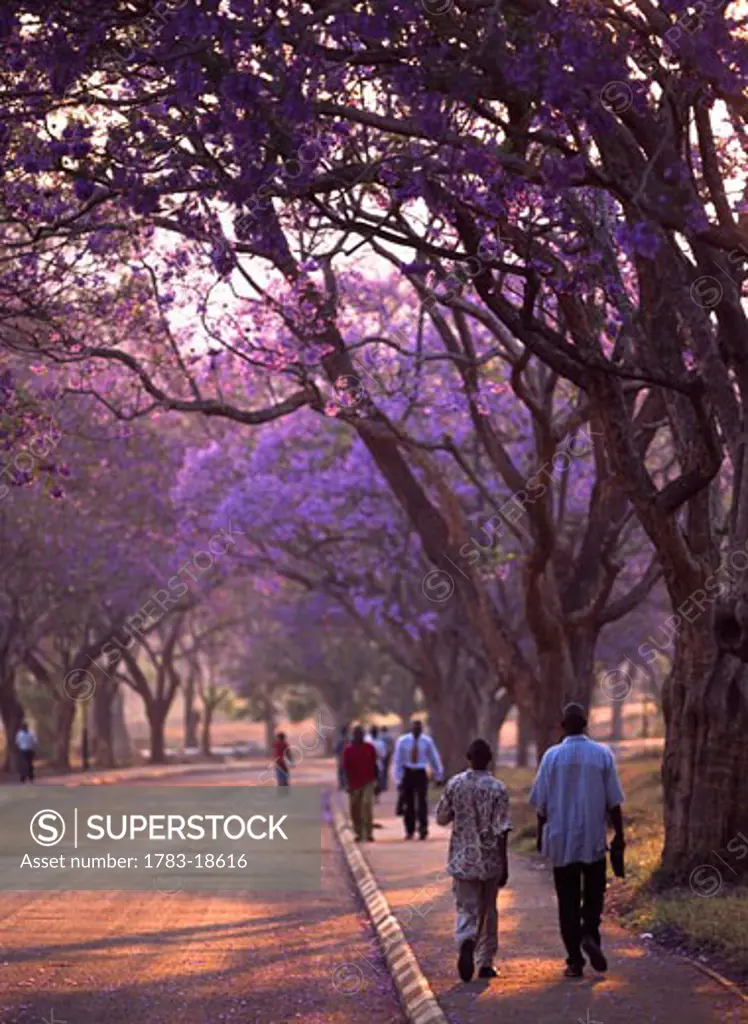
(192, 957)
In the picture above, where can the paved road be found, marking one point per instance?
(192, 958)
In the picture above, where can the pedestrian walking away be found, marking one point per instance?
(389, 748)
(575, 792)
(26, 747)
(340, 744)
(477, 805)
(379, 745)
(360, 766)
(282, 757)
(414, 754)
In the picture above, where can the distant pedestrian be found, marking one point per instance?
(378, 743)
(575, 791)
(282, 758)
(414, 753)
(478, 804)
(26, 747)
(340, 744)
(360, 767)
(389, 747)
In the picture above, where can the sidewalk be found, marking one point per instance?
(644, 982)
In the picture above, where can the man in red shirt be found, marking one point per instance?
(360, 768)
(282, 757)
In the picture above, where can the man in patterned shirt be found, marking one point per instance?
(478, 804)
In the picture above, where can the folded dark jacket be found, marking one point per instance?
(616, 861)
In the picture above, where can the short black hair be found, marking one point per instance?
(479, 754)
(574, 718)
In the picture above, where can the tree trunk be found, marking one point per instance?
(705, 767)
(157, 713)
(11, 713)
(327, 715)
(121, 743)
(453, 726)
(103, 700)
(205, 733)
(491, 718)
(582, 644)
(524, 736)
(270, 722)
(65, 710)
(547, 707)
(616, 719)
(190, 718)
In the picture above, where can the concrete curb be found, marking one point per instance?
(418, 1001)
(716, 976)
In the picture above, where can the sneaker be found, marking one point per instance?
(488, 972)
(594, 954)
(465, 965)
(574, 971)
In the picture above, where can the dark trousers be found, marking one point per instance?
(580, 889)
(26, 759)
(415, 790)
(385, 783)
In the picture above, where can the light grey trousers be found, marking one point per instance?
(477, 916)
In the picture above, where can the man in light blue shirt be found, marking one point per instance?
(575, 791)
(414, 753)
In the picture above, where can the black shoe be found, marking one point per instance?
(594, 954)
(574, 971)
(488, 972)
(424, 835)
(408, 835)
(465, 965)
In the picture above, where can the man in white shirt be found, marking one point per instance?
(414, 753)
(26, 746)
(575, 791)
